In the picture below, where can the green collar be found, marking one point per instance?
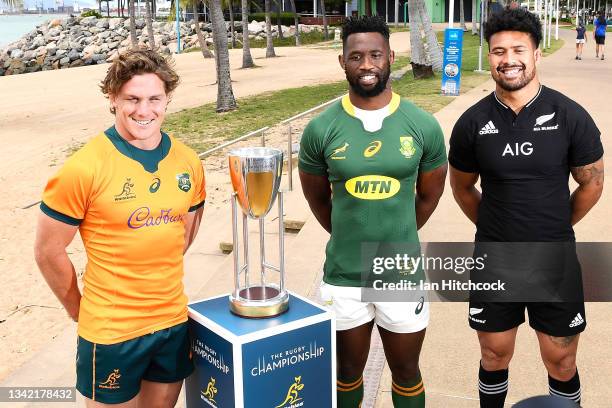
(148, 158)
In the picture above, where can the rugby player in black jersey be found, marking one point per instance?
(523, 141)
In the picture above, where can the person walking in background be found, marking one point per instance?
(136, 195)
(581, 39)
(599, 32)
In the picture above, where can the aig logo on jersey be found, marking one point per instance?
(372, 187)
(518, 149)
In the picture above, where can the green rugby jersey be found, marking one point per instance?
(373, 177)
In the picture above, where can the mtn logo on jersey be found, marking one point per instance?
(488, 129)
(372, 187)
(578, 320)
(540, 120)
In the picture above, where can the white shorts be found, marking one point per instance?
(350, 312)
(582, 41)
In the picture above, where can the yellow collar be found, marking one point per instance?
(350, 108)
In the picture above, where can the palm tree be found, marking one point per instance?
(325, 31)
(278, 20)
(225, 94)
(132, 13)
(434, 52)
(247, 60)
(418, 59)
(149, 22)
(206, 53)
(296, 20)
(229, 5)
(474, 20)
(269, 44)
(462, 15)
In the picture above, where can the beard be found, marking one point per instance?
(377, 89)
(525, 78)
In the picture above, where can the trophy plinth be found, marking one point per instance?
(256, 174)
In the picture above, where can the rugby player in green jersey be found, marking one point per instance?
(385, 161)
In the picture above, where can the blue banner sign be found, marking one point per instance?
(451, 68)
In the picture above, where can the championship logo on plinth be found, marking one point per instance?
(256, 175)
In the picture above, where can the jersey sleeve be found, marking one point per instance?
(434, 149)
(585, 144)
(200, 185)
(461, 153)
(67, 194)
(312, 155)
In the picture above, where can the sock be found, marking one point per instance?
(349, 393)
(409, 395)
(566, 389)
(492, 387)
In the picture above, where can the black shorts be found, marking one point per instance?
(600, 39)
(559, 319)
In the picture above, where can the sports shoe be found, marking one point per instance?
(576, 57)
(602, 57)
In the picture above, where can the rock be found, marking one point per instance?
(16, 53)
(113, 45)
(95, 30)
(39, 41)
(89, 21)
(104, 35)
(42, 51)
(64, 61)
(98, 57)
(54, 32)
(28, 55)
(112, 56)
(74, 54)
(139, 23)
(60, 53)
(76, 63)
(55, 64)
(103, 23)
(115, 23)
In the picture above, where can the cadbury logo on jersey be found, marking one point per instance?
(142, 217)
(372, 187)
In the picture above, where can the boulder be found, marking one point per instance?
(28, 55)
(64, 61)
(54, 23)
(103, 23)
(139, 23)
(115, 23)
(98, 57)
(73, 54)
(16, 53)
(54, 32)
(76, 63)
(89, 21)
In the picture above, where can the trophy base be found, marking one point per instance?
(259, 302)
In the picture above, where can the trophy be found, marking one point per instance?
(256, 174)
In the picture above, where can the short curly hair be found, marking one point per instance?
(138, 61)
(364, 24)
(514, 20)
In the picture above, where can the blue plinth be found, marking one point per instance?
(287, 361)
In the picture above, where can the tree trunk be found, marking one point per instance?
(474, 17)
(100, 6)
(433, 48)
(278, 20)
(325, 30)
(206, 53)
(269, 44)
(232, 29)
(225, 94)
(132, 12)
(296, 21)
(149, 24)
(154, 9)
(107, 8)
(247, 60)
(420, 68)
(368, 7)
(462, 15)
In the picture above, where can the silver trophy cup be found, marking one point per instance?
(256, 174)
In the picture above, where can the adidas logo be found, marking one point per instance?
(488, 129)
(578, 320)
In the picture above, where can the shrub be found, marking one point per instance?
(91, 13)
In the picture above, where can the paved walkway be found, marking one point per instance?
(450, 354)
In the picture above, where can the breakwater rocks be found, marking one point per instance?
(78, 41)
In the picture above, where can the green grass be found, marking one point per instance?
(589, 28)
(201, 128)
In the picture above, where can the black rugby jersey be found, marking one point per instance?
(524, 164)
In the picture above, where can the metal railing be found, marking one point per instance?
(263, 138)
(238, 139)
(289, 137)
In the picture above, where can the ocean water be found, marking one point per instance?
(12, 27)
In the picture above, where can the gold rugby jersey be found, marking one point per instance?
(130, 206)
